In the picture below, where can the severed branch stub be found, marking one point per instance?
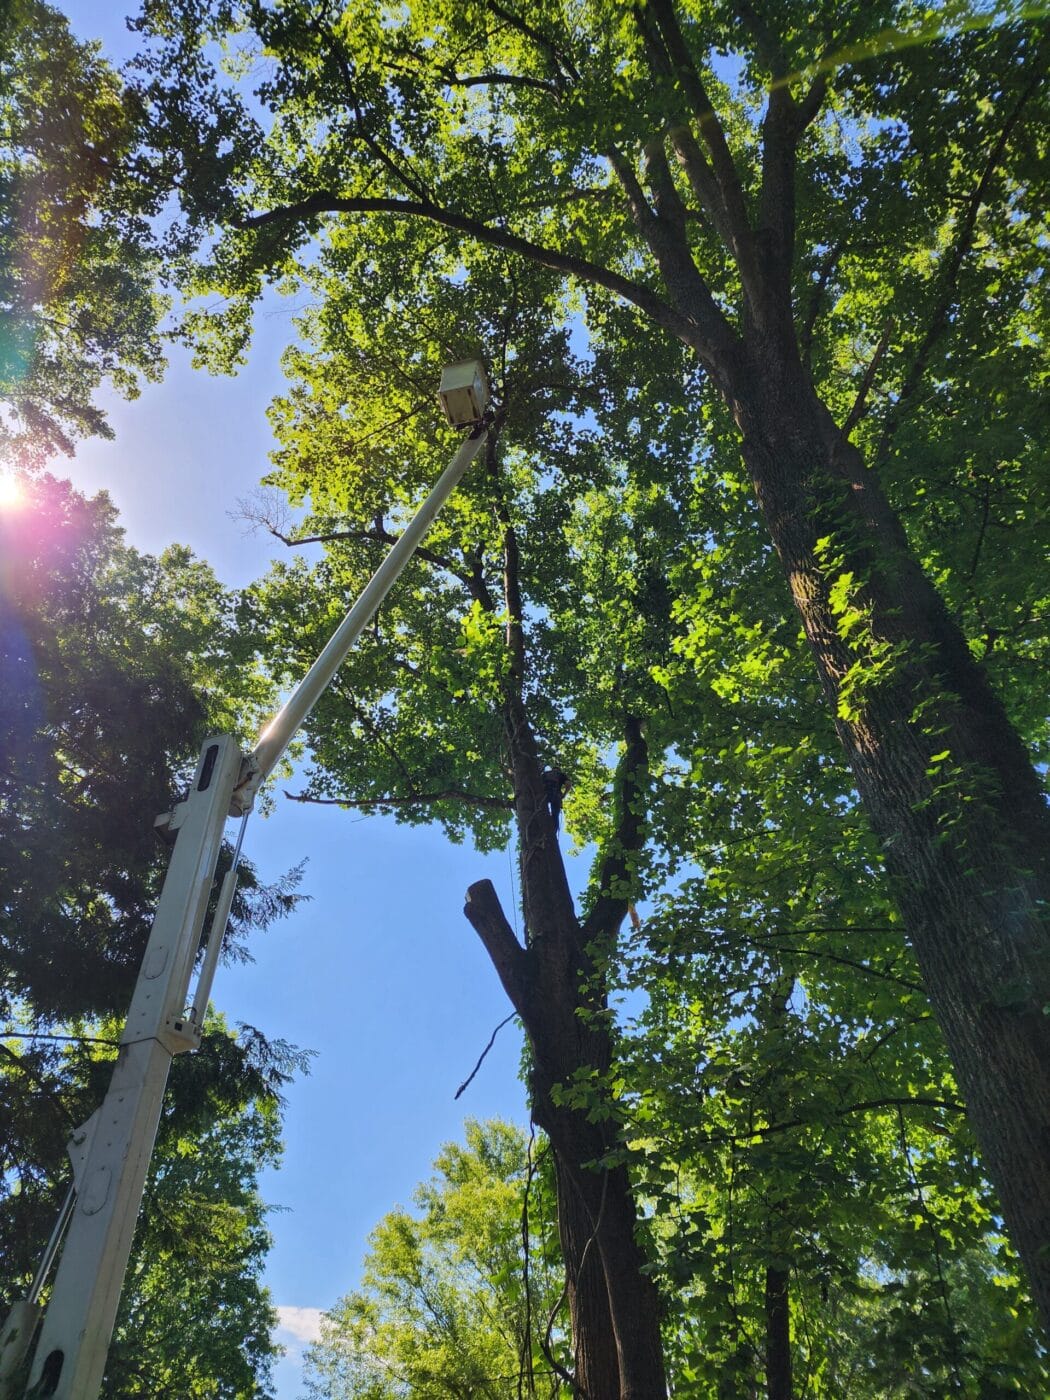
(509, 958)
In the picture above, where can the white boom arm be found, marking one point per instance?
(111, 1152)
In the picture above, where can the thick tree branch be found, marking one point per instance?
(782, 128)
(695, 165)
(723, 167)
(504, 79)
(327, 202)
(767, 44)
(511, 961)
(663, 233)
(666, 201)
(547, 900)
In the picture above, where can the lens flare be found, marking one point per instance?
(11, 493)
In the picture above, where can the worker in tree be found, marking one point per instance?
(555, 784)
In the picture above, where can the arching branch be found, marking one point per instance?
(323, 202)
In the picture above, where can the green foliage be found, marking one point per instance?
(195, 1318)
(110, 676)
(78, 305)
(449, 1304)
(452, 179)
(109, 680)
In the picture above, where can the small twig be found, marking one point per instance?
(481, 1058)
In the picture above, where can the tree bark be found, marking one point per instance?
(778, 1335)
(966, 838)
(559, 994)
(613, 1305)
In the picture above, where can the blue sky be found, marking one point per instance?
(380, 973)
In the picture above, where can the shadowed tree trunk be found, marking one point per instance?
(557, 986)
(947, 782)
(966, 836)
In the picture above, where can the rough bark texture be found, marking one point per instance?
(968, 857)
(967, 852)
(613, 1305)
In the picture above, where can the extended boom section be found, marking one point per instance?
(111, 1152)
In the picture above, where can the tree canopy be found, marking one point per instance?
(79, 304)
(455, 1296)
(108, 682)
(752, 557)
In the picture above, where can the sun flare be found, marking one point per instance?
(11, 493)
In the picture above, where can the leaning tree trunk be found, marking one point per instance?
(947, 782)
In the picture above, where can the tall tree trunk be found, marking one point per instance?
(560, 995)
(947, 782)
(613, 1304)
(772, 1015)
(778, 1334)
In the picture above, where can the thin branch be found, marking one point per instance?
(870, 1053)
(475, 799)
(859, 408)
(481, 1058)
(986, 507)
(563, 65)
(823, 956)
(47, 1035)
(375, 535)
(50, 1095)
(935, 1237)
(817, 290)
(400, 175)
(865, 1106)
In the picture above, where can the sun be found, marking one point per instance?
(11, 493)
